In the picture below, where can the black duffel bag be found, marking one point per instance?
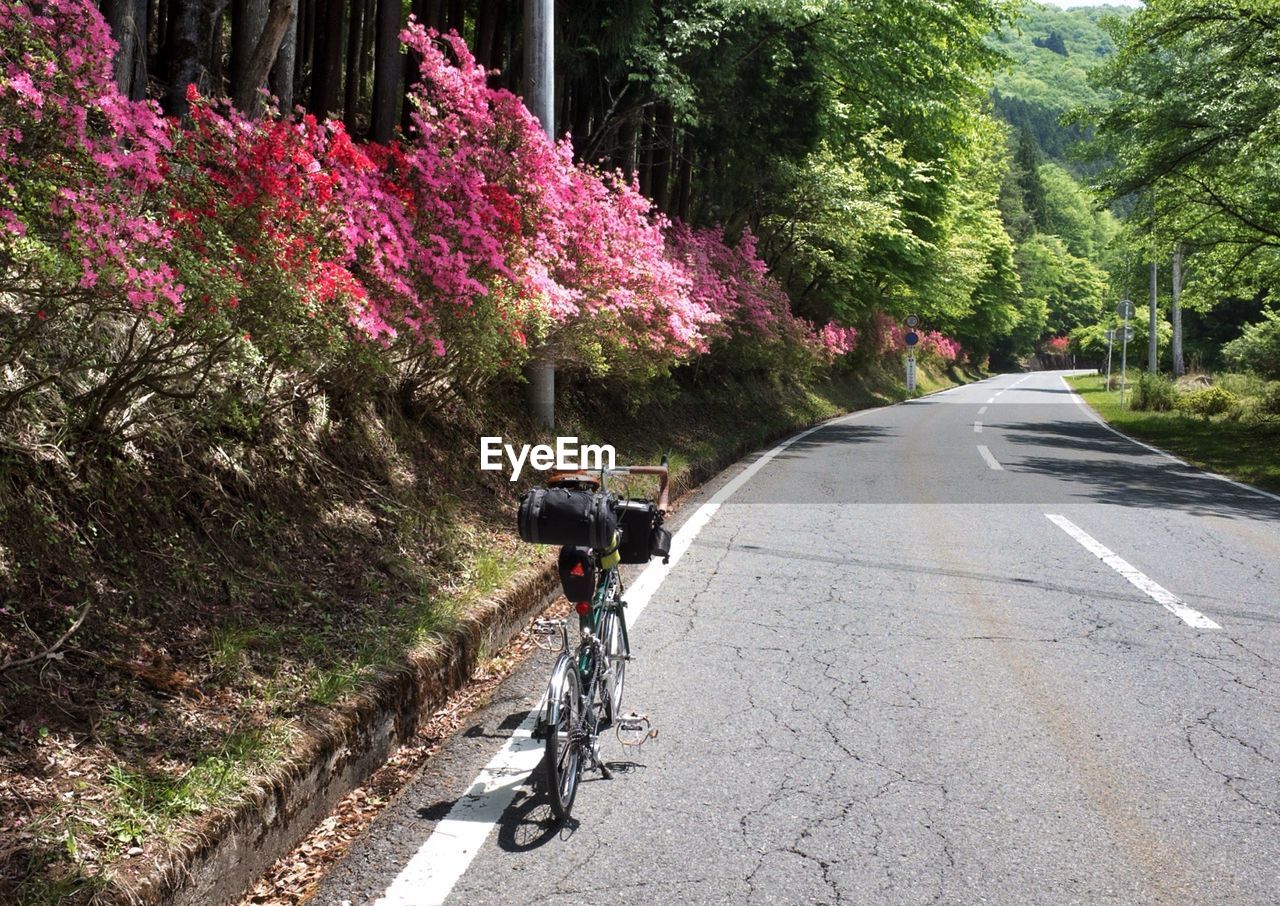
(575, 516)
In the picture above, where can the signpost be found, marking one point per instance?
(1124, 310)
(911, 339)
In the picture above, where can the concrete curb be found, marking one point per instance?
(227, 851)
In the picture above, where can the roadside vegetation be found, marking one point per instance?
(1229, 423)
(248, 342)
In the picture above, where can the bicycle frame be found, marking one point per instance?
(593, 672)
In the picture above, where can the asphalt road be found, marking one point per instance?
(883, 674)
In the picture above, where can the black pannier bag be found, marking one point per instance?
(577, 573)
(573, 516)
(660, 543)
(637, 519)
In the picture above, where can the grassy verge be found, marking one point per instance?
(238, 592)
(1242, 448)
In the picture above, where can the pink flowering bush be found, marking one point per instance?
(938, 345)
(885, 336)
(1057, 346)
(838, 340)
(143, 260)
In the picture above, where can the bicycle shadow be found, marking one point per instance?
(528, 824)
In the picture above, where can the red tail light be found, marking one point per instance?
(583, 608)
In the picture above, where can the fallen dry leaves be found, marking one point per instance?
(295, 877)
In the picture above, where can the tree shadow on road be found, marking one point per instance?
(1126, 474)
(834, 436)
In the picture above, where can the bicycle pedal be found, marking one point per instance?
(549, 635)
(634, 730)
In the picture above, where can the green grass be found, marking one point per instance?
(1242, 449)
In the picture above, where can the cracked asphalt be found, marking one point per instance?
(881, 675)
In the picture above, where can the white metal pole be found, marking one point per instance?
(1111, 340)
(1153, 316)
(1124, 359)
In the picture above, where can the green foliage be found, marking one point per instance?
(1154, 393)
(1052, 52)
(1072, 289)
(1028, 161)
(1207, 402)
(1257, 349)
(1189, 126)
(1072, 214)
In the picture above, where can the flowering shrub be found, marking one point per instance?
(884, 336)
(239, 239)
(838, 340)
(78, 160)
(938, 345)
(1057, 345)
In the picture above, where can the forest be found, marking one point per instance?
(270, 267)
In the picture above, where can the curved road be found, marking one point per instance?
(884, 674)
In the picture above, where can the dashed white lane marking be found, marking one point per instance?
(977, 427)
(991, 460)
(1137, 579)
(992, 400)
(982, 411)
(435, 868)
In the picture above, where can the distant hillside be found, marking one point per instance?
(1052, 52)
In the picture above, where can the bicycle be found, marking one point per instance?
(584, 693)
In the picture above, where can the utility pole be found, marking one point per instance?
(1175, 311)
(1125, 311)
(539, 97)
(1151, 325)
(1111, 338)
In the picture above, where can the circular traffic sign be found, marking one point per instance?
(1111, 335)
(1126, 334)
(1125, 309)
(912, 320)
(912, 338)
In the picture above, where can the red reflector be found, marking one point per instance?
(583, 608)
(577, 570)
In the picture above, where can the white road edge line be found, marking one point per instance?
(1136, 577)
(430, 875)
(1088, 410)
(977, 427)
(982, 411)
(991, 460)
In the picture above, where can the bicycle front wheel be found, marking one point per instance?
(563, 761)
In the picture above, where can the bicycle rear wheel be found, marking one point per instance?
(562, 764)
(615, 663)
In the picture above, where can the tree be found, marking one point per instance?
(388, 71)
(1028, 160)
(254, 73)
(1192, 132)
(128, 22)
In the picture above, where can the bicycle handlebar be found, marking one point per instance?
(664, 477)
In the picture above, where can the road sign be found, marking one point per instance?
(1125, 309)
(912, 338)
(911, 373)
(1111, 336)
(912, 320)
(1126, 334)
